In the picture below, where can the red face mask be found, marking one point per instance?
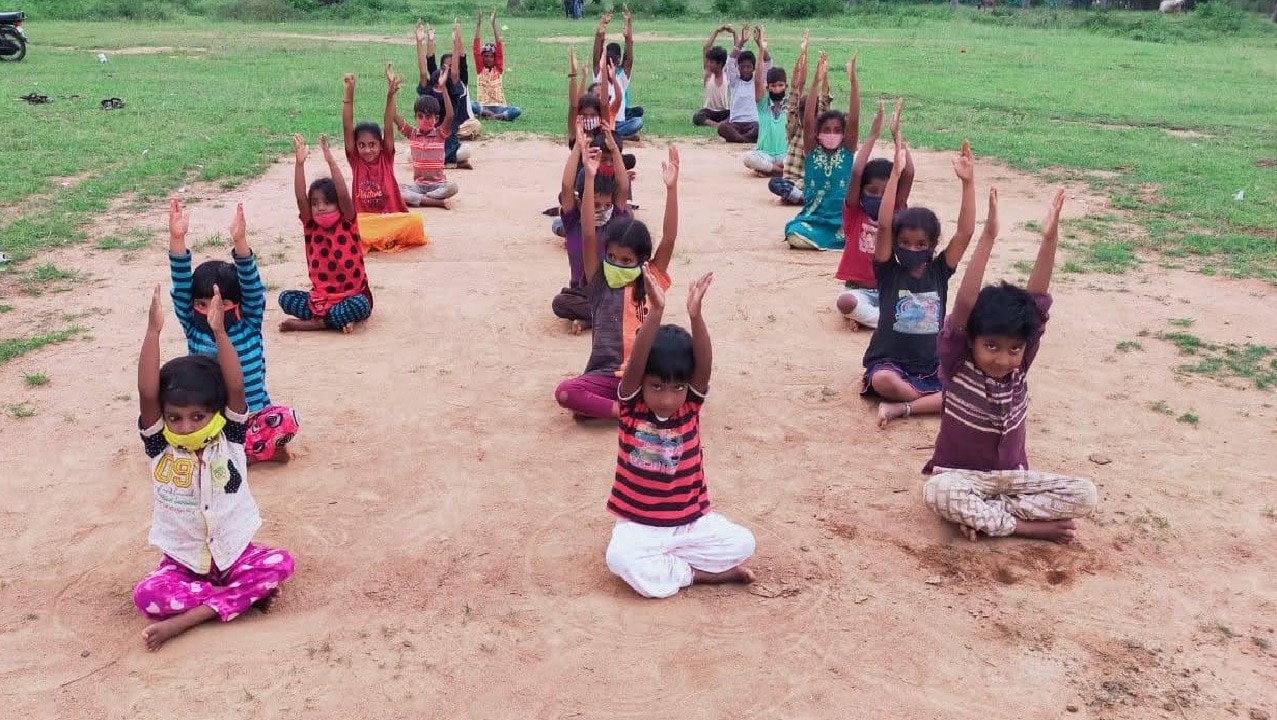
(328, 219)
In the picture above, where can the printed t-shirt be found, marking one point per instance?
(660, 475)
(616, 321)
(491, 86)
(983, 423)
(204, 514)
(373, 186)
(335, 262)
(910, 311)
(861, 232)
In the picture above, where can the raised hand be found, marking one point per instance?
(323, 146)
(393, 81)
(456, 28)
(895, 117)
(493, 18)
(851, 65)
(420, 31)
(238, 226)
(802, 46)
(822, 63)
(991, 220)
(155, 316)
(582, 141)
(178, 221)
(591, 161)
(758, 35)
(216, 316)
(696, 294)
(572, 60)
(430, 33)
(348, 81)
(1051, 227)
(670, 168)
(964, 164)
(902, 155)
(655, 293)
(299, 148)
(604, 19)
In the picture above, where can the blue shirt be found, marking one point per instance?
(245, 334)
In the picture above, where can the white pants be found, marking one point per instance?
(762, 163)
(658, 561)
(866, 312)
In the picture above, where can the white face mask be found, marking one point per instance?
(590, 123)
(601, 217)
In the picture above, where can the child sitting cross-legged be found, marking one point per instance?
(430, 186)
(714, 108)
(667, 535)
(491, 102)
(980, 477)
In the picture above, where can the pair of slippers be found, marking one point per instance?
(114, 103)
(35, 99)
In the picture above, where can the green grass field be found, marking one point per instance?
(1178, 128)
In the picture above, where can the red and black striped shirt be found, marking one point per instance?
(660, 477)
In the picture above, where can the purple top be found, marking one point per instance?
(574, 242)
(982, 427)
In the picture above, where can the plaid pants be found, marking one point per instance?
(993, 501)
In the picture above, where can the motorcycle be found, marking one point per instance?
(13, 39)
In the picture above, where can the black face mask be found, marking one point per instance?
(913, 259)
(777, 97)
(872, 205)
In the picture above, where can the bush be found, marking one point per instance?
(1219, 18)
(795, 9)
(660, 8)
(728, 8)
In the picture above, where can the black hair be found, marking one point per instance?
(614, 50)
(427, 105)
(672, 358)
(776, 74)
(834, 115)
(589, 100)
(1005, 310)
(747, 56)
(444, 58)
(193, 380)
(369, 127)
(629, 233)
(326, 186)
(603, 185)
(717, 54)
(876, 169)
(916, 218)
(219, 273)
(600, 140)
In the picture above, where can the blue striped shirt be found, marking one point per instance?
(245, 334)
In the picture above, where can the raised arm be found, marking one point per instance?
(148, 364)
(179, 264)
(852, 136)
(906, 175)
(627, 55)
(567, 191)
(299, 177)
(478, 32)
(862, 157)
(600, 38)
(702, 349)
(252, 301)
(798, 84)
(445, 128)
(636, 368)
(424, 35)
(883, 249)
(458, 54)
(573, 93)
(1044, 266)
(393, 83)
(622, 196)
(348, 114)
(709, 45)
(809, 112)
(589, 234)
(228, 356)
(669, 225)
(764, 59)
(964, 168)
(973, 278)
(496, 40)
(344, 203)
(760, 72)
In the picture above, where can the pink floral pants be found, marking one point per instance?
(172, 588)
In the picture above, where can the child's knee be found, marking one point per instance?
(1086, 498)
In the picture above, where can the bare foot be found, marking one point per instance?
(1057, 531)
(295, 325)
(348, 328)
(577, 327)
(969, 533)
(891, 411)
(739, 574)
(265, 603)
(156, 634)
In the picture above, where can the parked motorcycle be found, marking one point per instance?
(13, 39)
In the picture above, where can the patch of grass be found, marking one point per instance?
(1111, 256)
(5, 309)
(1188, 418)
(1024, 267)
(1182, 322)
(21, 410)
(11, 348)
(1033, 226)
(35, 379)
(1161, 407)
(1255, 363)
(1128, 346)
(136, 242)
(43, 276)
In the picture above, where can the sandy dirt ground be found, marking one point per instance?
(449, 524)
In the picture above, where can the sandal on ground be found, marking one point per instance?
(114, 103)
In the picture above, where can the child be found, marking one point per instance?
(768, 156)
(980, 477)
(742, 121)
(428, 139)
(454, 73)
(339, 295)
(610, 190)
(829, 140)
(629, 119)
(491, 75)
(714, 108)
(617, 290)
(789, 187)
(667, 535)
(913, 283)
(242, 309)
(384, 220)
(858, 302)
(193, 423)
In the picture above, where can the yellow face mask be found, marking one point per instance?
(199, 439)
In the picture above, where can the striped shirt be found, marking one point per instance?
(983, 425)
(428, 152)
(245, 333)
(660, 479)
(794, 155)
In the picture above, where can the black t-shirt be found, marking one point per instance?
(910, 313)
(457, 91)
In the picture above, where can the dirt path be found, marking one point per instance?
(449, 524)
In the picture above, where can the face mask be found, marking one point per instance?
(829, 141)
(328, 219)
(872, 205)
(601, 217)
(777, 97)
(427, 125)
(590, 123)
(618, 276)
(912, 259)
(199, 439)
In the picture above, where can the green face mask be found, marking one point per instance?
(618, 276)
